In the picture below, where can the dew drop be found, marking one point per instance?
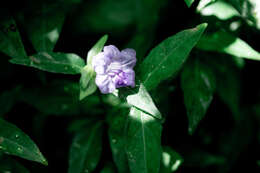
(19, 149)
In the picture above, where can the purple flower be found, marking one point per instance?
(114, 69)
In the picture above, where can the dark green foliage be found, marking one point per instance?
(195, 106)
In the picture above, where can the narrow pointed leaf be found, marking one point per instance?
(143, 142)
(87, 82)
(224, 42)
(86, 149)
(15, 142)
(66, 63)
(10, 40)
(167, 58)
(96, 48)
(198, 84)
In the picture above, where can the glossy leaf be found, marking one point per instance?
(10, 165)
(10, 40)
(189, 2)
(198, 84)
(171, 160)
(15, 142)
(117, 121)
(224, 42)
(86, 149)
(143, 101)
(66, 63)
(96, 49)
(143, 142)
(167, 58)
(43, 23)
(87, 82)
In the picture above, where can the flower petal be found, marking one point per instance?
(100, 63)
(105, 84)
(111, 51)
(128, 58)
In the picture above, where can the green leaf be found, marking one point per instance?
(221, 10)
(171, 160)
(117, 121)
(143, 101)
(96, 49)
(167, 58)
(10, 165)
(224, 42)
(15, 142)
(10, 40)
(43, 23)
(87, 79)
(198, 84)
(143, 142)
(86, 149)
(66, 63)
(189, 2)
(87, 82)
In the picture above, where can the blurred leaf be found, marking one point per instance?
(224, 42)
(96, 49)
(147, 17)
(203, 3)
(8, 165)
(86, 149)
(87, 79)
(221, 10)
(203, 159)
(198, 84)
(14, 142)
(249, 10)
(168, 57)
(228, 81)
(171, 160)
(255, 12)
(66, 63)
(7, 100)
(117, 121)
(108, 168)
(104, 16)
(237, 141)
(43, 23)
(143, 101)
(87, 82)
(143, 142)
(54, 99)
(189, 2)
(10, 40)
